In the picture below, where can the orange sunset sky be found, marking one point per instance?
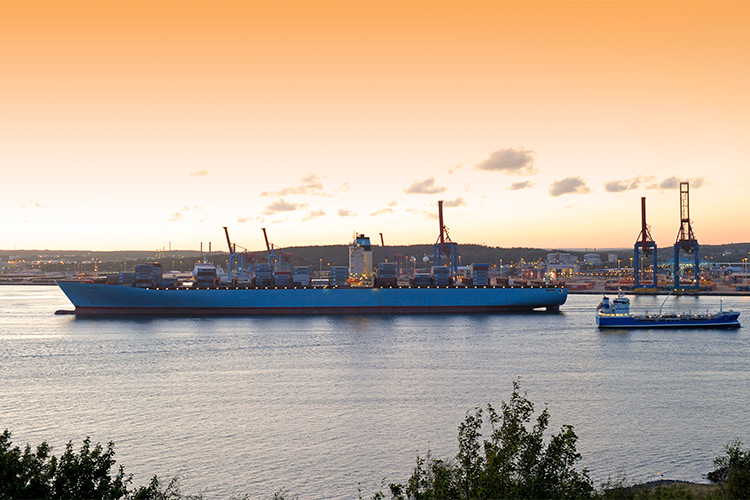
(133, 124)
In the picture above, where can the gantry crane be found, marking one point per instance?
(645, 246)
(686, 241)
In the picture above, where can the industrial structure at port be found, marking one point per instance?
(646, 248)
(275, 288)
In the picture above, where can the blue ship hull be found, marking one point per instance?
(101, 299)
(727, 319)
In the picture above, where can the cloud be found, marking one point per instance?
(345, 187)
(624, 185)
(309, 184)
(346, 213)
(458, 202)
(187, 212)
(521, 185)
(511, 161)
(243, 220)
(393, 203)
(283, 206)
(383, 211)
(568, 185)
(314, 214)
(199, 173)
(426, 186)
(33, 204)
(674, 183)
(668, 183)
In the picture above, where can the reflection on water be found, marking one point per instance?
(320, 404)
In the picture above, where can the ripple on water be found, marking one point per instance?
(319, 405)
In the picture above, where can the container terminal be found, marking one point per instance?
(720, 269)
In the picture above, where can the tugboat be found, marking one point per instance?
(616, 314)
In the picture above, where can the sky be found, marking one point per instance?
(152, 124)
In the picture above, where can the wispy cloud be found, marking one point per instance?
(426, 186)
(309, 185)
(568, 185)
(314, 214)
(189, 212)
(382, 211)
(199, 173)
(32, 204)
(623, 185)
(521, 185)
(243, 220)
(458, 202)
(425, 214)
(511, 161)
(674, 183)
(283, 206)
(343, 212)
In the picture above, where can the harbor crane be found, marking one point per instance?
(275, 259)
(229, 241)
(385, 249)
(237, 270)
(686, 241)
(444, 247)
(645, 246)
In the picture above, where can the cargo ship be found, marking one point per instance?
(269, 289)
(616, 313)
(102, 299)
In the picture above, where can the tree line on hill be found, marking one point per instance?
(338, 255)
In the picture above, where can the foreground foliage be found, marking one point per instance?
(734, 470)
(514, 462)
(85, 474)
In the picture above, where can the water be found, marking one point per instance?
(323, 405)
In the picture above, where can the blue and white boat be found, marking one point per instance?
(616, 313)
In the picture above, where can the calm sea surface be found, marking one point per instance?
(321, 405)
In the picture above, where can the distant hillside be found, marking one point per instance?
(338, 255)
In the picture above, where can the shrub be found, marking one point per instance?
(514, 462)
